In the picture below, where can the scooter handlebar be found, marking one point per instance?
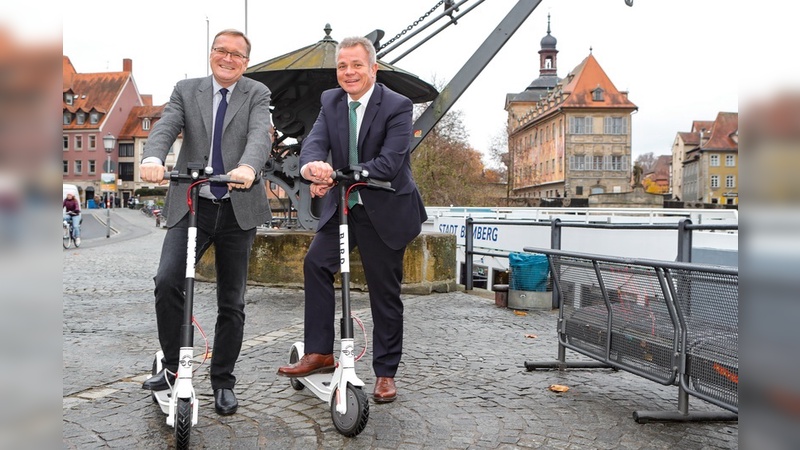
(352, 173)
(197, 175)
(356, 174)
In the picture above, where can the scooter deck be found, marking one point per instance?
(319, 383)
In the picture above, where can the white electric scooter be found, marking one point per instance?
(179, 402)
(343, 390)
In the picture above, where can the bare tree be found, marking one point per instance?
(647, 161)
(498, 153)
(447, 169)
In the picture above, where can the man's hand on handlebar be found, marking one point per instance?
(243, 176)
(152, 173)
(319, 173)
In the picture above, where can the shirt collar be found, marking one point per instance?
(218, 86)
(364, 98)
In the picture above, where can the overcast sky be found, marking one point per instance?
(676, 58)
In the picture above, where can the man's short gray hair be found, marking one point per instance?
(358, 40)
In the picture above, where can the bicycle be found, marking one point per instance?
(161, 221)
(69, 237)
(148, 208)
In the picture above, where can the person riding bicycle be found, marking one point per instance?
(72, 212)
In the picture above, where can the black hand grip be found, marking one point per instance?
(378, 184)
(221, 179)
(355, 174)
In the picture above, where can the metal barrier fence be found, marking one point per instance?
(684, 228)
(673, 323)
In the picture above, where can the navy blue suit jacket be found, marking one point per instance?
(384, 142)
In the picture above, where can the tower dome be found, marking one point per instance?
(548, 41)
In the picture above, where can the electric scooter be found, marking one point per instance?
(179, 402)
(343, 390)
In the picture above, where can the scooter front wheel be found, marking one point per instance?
(183, 423)
(355, 419)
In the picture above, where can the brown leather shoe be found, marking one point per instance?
(309, 364)
(385, 390)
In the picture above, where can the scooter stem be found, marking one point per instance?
(344, 262)
(187, 329)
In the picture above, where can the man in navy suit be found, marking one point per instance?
(381, 224)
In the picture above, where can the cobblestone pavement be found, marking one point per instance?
(461, 385)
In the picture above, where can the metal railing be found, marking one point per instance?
(674, 323)
(684, 228)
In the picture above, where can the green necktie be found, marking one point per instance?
(352, 200)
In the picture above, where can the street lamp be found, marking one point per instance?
(109, 141)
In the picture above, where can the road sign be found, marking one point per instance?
(108, 182)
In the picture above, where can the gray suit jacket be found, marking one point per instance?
(245, 140)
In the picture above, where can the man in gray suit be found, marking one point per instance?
(225, 123)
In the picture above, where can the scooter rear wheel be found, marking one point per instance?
(355, 419)
(293, 358)
(183, 423)
(154, 372)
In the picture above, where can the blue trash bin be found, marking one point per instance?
(529, 271)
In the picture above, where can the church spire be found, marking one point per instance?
(547, 55)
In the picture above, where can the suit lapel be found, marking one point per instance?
(369, 117)
(237, 100)
(343, 127)
(205, 102)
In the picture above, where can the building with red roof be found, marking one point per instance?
(568, 137)
(705, 162)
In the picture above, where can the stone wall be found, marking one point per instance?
(277, 260)
(637, 198)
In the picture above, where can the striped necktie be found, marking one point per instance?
(352, 200)
(219, 189)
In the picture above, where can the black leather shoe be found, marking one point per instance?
(225, 402)
(160, 382)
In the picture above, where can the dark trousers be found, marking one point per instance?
(383, 268)
(216, 223)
